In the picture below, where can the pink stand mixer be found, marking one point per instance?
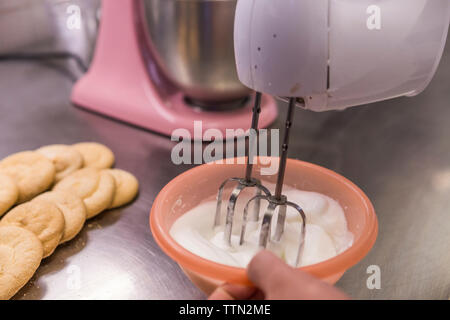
(126, 80)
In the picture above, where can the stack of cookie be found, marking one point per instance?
(83, 185)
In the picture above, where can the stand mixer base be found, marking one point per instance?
(121, 101)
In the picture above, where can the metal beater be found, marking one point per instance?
(274, 201)
(247, 182)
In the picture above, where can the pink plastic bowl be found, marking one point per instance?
(198, 184)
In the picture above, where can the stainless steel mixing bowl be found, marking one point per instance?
(192, 42)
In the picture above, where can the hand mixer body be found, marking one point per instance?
(339, 53)
(331, 54)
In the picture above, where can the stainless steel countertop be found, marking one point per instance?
(398, 151)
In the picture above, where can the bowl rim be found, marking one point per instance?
(338, 264)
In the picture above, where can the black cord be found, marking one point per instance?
(45, 56)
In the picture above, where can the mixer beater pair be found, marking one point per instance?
(278, 200)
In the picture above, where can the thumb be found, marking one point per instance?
(277, 280)
(267, 272)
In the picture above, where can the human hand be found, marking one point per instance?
(275, 280)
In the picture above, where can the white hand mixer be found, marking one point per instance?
(328, 55)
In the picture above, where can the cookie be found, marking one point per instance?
(95, 155)
(95, 187)
(126, 187)
(66, 159)
(43, 218)
(72, 208)
(20, 256)
(9, 193)
(32, 172)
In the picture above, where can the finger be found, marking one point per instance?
(258, 295)
(232, 292)
(220, 294)
(266, 271)
(277, 280)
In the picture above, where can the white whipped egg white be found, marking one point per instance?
(326, 231)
